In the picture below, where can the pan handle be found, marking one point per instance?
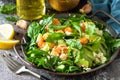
(108, 15)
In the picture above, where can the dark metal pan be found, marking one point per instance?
(19, 49)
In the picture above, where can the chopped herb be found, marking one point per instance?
(12, 18)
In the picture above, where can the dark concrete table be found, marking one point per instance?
(110, 72)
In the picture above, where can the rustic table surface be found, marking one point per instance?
(110, 72)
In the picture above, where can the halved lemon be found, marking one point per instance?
(6, 31)
(7, 44)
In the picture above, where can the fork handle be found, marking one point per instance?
(37, 75)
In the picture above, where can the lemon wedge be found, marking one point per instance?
(6, 31)
(6, 36)
(7, 44)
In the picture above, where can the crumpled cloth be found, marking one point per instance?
(112, 7)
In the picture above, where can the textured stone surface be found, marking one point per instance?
(110, 72)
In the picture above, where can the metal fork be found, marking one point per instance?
(18, 68)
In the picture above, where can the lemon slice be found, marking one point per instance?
(6, 31)
(7, 44)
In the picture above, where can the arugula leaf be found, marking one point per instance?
(48, 63)
(77, 27)
(47, 20)
(33, 32)
(34, 54)
(7, 8)
(56, 27)
(115, 43)
(100, 25)
(54, 37)
(74, 68)
(77, 17)
(111, 43)
(67, 62)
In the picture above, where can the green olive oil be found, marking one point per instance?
(30, 9)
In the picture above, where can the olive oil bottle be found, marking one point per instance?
(30, 9)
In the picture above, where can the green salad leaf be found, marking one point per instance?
(74, 43)
(77, 27)
(33, 32)
(7, 8)
(90, 28)
(54, 37)
(47, 20)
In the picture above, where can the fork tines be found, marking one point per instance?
(10, 62)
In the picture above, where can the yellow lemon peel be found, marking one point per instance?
(8, 44)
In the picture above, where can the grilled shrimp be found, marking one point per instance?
(41, 42)
(83, 40)
(55, 21)
(59, 31)
(67, 30)
(83, 26)
(60, 51)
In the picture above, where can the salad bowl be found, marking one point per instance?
(58, 45)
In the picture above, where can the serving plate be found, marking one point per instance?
(19, 49)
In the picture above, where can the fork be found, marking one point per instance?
(18, 68)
